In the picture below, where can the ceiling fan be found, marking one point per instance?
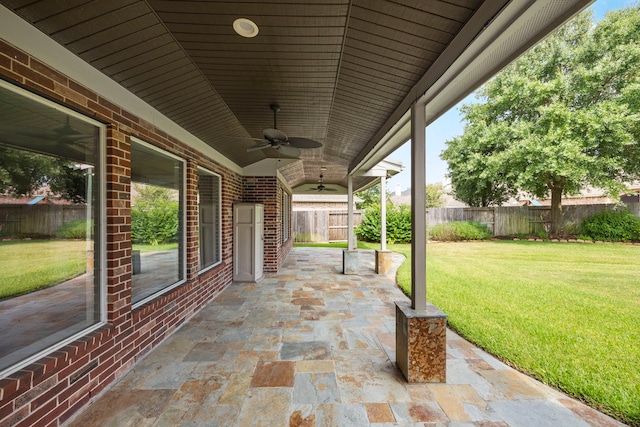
(62, 140)
(321, 187)
(65, 133)
(274, 138)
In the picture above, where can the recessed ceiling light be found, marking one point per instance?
(323, 168)
(245, 27)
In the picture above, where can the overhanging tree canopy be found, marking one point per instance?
(23, 173)
(563, 116)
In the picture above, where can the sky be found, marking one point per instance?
(450, 125)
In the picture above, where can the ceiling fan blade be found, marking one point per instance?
(68, 132)
(274, 135)
(329, 189)
(303, 142)
(259, 146)
(241, 137)
(288, 151)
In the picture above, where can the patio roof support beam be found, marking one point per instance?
(351, 244)
(418, 208)
(421, 329)
(383, 256)
(350, 255)
(383, 213)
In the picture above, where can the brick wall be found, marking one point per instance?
(52, 389)
(268, 191)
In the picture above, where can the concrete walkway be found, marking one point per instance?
(309, 346)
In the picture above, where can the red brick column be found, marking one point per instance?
(192, 215)
(118, 225)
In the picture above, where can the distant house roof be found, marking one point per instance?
(33, 200)
(36, 200)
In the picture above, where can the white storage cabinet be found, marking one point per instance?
(248, 242)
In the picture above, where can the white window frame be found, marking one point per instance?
(286, 216)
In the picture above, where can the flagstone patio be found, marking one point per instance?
(309, 346)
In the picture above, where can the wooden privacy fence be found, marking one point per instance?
(322, 226)
(37, 220)
(514, 220)
(329, 226)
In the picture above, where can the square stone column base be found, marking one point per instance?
(349, 261)
(421, 343)
(383, 261)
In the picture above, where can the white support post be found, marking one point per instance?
(418, 209)
(383, 213)
(350, 229)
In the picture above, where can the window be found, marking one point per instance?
(157, 222)
(210, 242)
(51, 233)
(286, 215)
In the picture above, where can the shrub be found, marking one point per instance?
(370, 226)
(154, 215)
(156, 225)
(543, 235)
(613, 226)
(398, 224)
(459, 230)
(73, 230)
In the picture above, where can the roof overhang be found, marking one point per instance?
(517, 27)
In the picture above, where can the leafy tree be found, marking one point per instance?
(563, 116)
(370, 196)
(23, 173)
(433, 194)
(154, 215)
(70, 182)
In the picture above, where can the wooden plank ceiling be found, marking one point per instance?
(337, 68)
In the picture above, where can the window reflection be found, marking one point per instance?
(49, 226)
(210, 226)
(156, 221)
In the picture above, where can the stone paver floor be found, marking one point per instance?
(309, 346)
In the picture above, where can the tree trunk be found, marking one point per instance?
(556, 208)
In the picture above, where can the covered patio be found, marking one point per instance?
(226, 104)
(310, 346)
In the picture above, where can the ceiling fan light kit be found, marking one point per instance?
(321, 187)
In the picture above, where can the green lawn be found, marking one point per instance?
(567, 314)
(29, 265)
